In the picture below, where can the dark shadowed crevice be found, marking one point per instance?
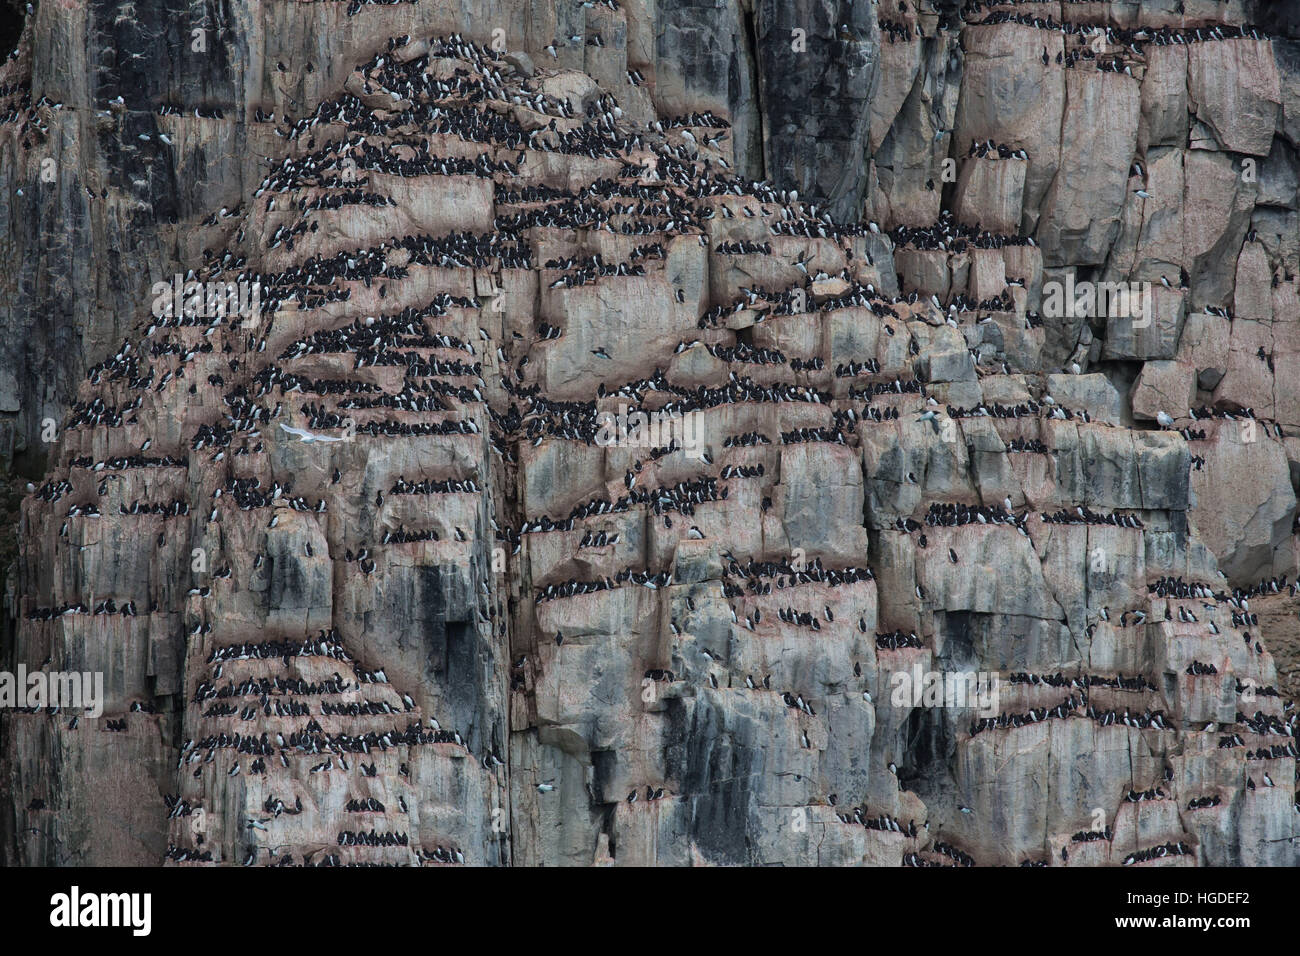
(756, 82)
(13, 15)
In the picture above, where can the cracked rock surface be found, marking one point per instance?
(368, 586)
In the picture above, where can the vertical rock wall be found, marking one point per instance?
(366, 585)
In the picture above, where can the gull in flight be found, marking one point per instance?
(307, 436)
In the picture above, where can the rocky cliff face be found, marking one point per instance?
(382, 570)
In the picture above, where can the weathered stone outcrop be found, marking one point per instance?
(385, 571)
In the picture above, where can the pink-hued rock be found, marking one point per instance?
(1249, 517)
(1254, 295)
(1009, 96)
(990, 193)
(895, 75)
(1248, 381)
(1099, 134)
(1163, 386)
(1204, 345)
(1164, 98)
(1233, 87)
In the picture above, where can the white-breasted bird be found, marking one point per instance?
(307, 436)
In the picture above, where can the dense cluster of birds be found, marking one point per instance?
(1138, 796)
(672, 188)
(1085, 515)
(943, 514)
(1129, 38)
(893, 640)
(1032, 716)
(950, 235)
(1158, 852)
(881, 822)
(575, 587)
(372, 838)
(988, 149)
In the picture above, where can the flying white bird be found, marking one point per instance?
(307, 436)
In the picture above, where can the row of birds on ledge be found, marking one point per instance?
(504, 248)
